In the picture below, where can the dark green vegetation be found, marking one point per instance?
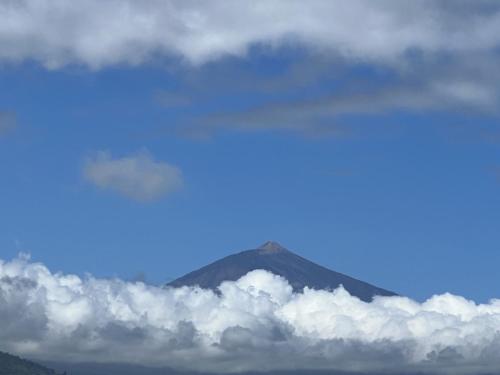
(12, 365)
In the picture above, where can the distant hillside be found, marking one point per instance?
(274, 258)
(127, 369)
(12, 365)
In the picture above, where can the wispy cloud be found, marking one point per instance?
(170, 99)
(319, 96)
(256, 324)
(136, 176)
(7, 123)
(321, 114)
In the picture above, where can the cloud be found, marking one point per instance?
(255, 324)
(98, 33)
(137, 176)
(322, 115)
(7, 123)
(435, 55)
(322, 96)
(168, 99)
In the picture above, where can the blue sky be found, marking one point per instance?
(379, 161)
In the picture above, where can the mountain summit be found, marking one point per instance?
(273, 257)
(271, 246)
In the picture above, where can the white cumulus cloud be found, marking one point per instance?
(99, 33)
(256, 323)
(137, 176)
(432, 55)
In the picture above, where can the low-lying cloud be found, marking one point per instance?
(136, 176)
(256, 323)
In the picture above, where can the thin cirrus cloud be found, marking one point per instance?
(310, 114)
(137, 176)
(254, 324)
(7, 123)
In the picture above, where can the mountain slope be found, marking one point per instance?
(272, 257)
(12, 365)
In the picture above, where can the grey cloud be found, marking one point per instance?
(439, 55)
(170, 99)
(20, 283)
(22, 318)
(469, 86)
(136, 176)
(115, 331)
(103, 33)
(7, 123)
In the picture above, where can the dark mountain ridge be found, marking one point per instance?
(12, 365)
(274, 258)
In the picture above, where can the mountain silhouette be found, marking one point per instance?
(273, 257)
(12, 365)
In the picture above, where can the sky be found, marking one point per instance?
(140, 140)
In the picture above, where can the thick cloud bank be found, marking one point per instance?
(256, 323)
(99, 33)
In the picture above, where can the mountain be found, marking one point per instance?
(130, 369)
(273, 257)
(12, 365)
